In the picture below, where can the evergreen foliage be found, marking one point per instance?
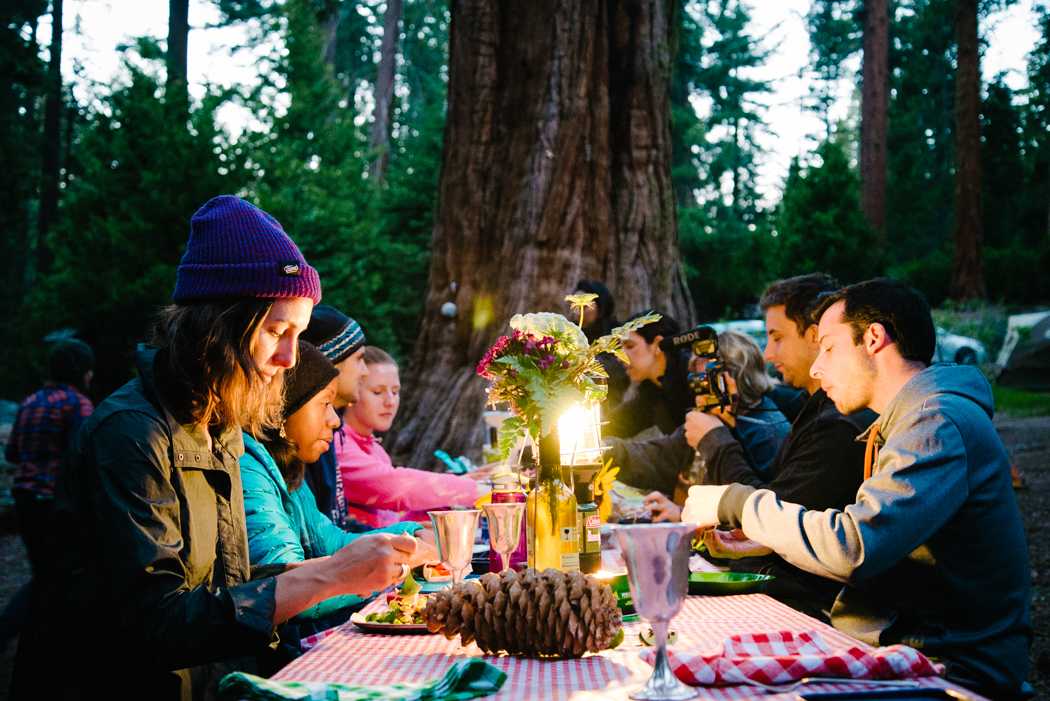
(133, 175)
(819, 221)
(723, 227)
(136, 180)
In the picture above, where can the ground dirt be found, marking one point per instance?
(1028, 441)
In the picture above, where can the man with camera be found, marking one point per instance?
(820, 463)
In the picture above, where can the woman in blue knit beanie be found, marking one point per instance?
(156, 589)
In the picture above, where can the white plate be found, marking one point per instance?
(358, 619)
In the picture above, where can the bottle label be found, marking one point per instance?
(594, 528)
(568, 534)
(570, 562)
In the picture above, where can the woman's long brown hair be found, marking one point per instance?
(205, 367)
(285, 453)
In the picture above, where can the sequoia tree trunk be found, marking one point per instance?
(329, 20)
(874, 120)
(384, 93)
(556, 167)
(967, 271)
(177, 88)
(52, 144)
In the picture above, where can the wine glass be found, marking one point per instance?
(504, 529)
(657, 558)
(454, 537)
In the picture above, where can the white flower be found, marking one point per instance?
(550, 324)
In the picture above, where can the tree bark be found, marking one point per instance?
(874, 115)
(967, 272)
(51, 146)
(556, 167)
(176, 89)
(384, 92)
(329, 21)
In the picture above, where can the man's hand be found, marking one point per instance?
(662, 508)
(701, 507)
(697, 425)
(373, 562)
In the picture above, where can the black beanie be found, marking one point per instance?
(334, 333)
(311, 374)
(69, 360)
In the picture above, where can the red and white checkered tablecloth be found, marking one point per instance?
(351, 656)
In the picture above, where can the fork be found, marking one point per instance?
(791, 686)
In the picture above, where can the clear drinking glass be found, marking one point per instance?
(657, 558)
(504, 528)
(454, 537)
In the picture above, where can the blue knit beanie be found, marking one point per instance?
(237, 250)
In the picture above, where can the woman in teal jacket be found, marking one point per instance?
(284, 524)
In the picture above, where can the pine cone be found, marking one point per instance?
(536, 614)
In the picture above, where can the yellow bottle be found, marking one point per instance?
(550, 509)
(553, 539)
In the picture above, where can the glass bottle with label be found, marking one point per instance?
(551, 514)
(589, 523)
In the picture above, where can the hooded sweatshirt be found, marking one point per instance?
(932, 552)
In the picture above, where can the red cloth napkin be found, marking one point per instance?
(779, 658)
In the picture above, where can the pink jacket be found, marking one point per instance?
(378, 494)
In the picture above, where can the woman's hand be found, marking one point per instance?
(662, 508)
(725, 414)
(373, 562)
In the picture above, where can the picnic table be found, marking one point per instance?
(352, 656)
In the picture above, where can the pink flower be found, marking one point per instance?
(497, 350)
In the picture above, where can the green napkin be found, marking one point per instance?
(467, 679)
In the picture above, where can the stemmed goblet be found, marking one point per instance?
(454, 538)
(504, 529)
(657, 558)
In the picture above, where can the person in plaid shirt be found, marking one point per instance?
(45, 425)
(40, 437)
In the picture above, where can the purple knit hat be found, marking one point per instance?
(238, 250)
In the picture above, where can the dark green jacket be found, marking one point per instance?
(158, 569)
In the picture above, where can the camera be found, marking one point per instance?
(708, 384)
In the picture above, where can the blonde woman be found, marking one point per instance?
(378, 493)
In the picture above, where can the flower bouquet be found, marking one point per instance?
(546, 365)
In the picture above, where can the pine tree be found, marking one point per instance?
(920, 146)
(834, 36)
(724, 228)
(136, 179)
(819, 223)
(20, 92)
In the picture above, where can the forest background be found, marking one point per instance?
(350, 125)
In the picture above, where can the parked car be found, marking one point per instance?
(953, 348)
(755, 328)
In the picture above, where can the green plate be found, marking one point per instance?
(727, 582)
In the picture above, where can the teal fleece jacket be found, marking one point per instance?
(286, 527)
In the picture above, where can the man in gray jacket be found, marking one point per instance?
(932, 552)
